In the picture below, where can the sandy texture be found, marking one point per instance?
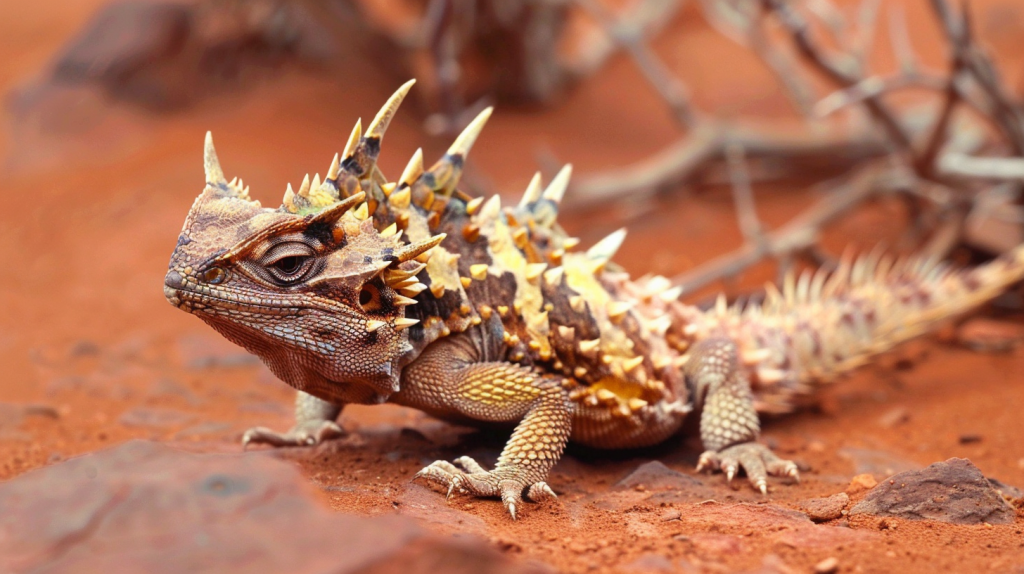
(93, 356)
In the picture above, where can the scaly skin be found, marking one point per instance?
(360, 290)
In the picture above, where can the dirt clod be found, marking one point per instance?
(860, 483)
(825, 509)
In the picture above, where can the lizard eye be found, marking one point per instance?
(289, 263)
(214, 275)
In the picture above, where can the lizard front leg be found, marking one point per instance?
(729, 425)
(445, 381)
(314, 423)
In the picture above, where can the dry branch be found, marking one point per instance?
(938, 181)
(991, 168)
(683, 161)
(800, 236)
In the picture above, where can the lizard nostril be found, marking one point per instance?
(174, 280)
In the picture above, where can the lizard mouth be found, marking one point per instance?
(172, 295)
(199, 298)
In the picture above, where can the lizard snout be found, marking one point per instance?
(172, 283)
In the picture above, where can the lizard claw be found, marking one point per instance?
(306, 434)
(539, 491)
(757, 460)
(472, 478)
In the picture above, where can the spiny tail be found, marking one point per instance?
(822, 324)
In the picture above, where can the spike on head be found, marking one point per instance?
(288, 202)
(353, 139)
(214, 174)
(413, 250)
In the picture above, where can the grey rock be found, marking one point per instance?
(654, 483)
(1008, 491)
(953, 491)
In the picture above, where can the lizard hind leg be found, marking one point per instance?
(729, 425)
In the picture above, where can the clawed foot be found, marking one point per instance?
(305, 434)
(473, 479)
(756, 459)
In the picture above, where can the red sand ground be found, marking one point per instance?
(94, 197)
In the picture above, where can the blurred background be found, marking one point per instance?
(736, 139)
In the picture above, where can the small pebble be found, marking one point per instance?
(827, 566)
(861, 482)
(894, 417)
(970, 438)
(670, 514)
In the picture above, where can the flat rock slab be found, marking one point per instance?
(953, 491)
(146, 507)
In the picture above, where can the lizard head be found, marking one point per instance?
(312, 288)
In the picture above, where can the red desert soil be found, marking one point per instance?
(94, 196)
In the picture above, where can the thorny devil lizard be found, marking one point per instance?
(361, 290)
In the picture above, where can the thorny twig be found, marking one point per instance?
(934, 187)
(799, 236)
(743, 194)
(833, 68)
(667, 86)
(990, 168)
